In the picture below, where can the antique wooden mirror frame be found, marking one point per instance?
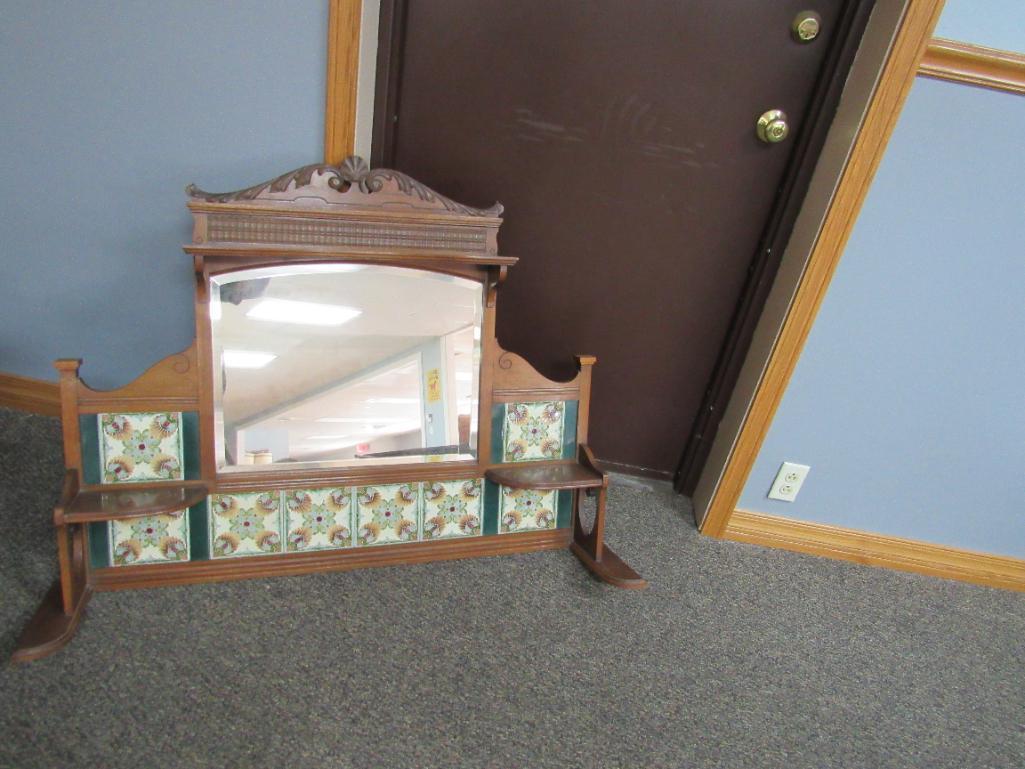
(165, 513)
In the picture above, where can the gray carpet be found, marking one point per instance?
(737, 656)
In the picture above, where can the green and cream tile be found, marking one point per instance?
(140, 446)
(526, 510)
(149, 539)
(245, 524)
(533, 431)
(387, 514)
(452, 509)
(318, 519)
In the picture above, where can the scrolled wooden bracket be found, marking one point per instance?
(496, 277)
(590, 546)
(58, 616)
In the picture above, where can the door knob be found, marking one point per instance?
(772, 126)
(806, 26)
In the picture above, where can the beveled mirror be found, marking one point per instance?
(344, 364)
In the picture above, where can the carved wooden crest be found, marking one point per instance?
(352, 183)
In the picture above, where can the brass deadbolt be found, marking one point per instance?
(806, 26)
(772, 126)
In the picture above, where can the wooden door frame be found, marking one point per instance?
(344, 21)
(913, 34)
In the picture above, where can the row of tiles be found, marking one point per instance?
(147, 446)
(261, 523)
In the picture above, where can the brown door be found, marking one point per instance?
(620, 135)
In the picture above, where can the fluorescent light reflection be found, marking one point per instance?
(359, 420)
(246, 358)
(302, 313)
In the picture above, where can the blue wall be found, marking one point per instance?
(908, 399)
(993, 23)
(109, 110)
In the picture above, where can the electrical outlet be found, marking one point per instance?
(788, 481)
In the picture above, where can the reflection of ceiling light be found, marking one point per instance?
(359, 420)
(399, 428)
(305, 313)
(393, 400)
(322, 447)
(246, 359)
(464, 376)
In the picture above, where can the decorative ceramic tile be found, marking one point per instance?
(140, 447)
(452, 509)
(245, 524)
(387, 514)
(534, 430)
(151, 539)
(525, 510)
(318, 519)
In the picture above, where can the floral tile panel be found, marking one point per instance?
(452, 509)
(317, 519)
(245, 524)
(387, 514)
(140, 447)
(533, 431)
(526, 510)
(149, 539)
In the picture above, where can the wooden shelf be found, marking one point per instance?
(568, 476)
(109, 504)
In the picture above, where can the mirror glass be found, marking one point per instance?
(344, 364)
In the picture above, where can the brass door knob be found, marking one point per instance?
(806, 26)
(772, 126)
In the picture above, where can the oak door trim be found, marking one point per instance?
(36, 396)
(974, 65)
(871, 549)
(895, 80)
(344, 18)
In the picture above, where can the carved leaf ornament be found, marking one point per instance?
(353, 171)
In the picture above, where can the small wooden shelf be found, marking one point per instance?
(568, 476)
(110, 504)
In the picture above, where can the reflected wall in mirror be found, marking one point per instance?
(344, 364)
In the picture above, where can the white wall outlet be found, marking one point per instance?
(788, 481)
